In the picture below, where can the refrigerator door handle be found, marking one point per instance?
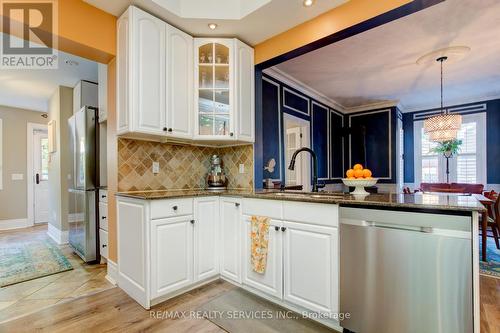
(37, 178)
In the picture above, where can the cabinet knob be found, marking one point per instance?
(237, 204)
(277, 228)
(103, 196)
(231, 134)
(175, 208)
(164, 129)
(283, 229)
(103, 217)
(104, 245)
(170, 130)
(192, 221)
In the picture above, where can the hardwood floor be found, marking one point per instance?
(113, 311)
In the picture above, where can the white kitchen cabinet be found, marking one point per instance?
(179, 84)
(224, 90)
(310, 267)
(270, 282)
(206, 237)
(230, 236)
(171, 254)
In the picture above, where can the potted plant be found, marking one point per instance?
(448, 149)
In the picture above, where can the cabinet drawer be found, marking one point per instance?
(103, 195)
(169, 208)
(103, 243)
(315, 213)
(263, 207)
(103, 216)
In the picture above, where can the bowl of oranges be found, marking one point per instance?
(359, 178)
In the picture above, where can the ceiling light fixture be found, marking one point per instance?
(308, 3)
(445, 126)
(212, 26)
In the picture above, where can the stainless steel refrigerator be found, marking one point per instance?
(83, 184)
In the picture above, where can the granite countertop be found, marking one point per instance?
(422, 201)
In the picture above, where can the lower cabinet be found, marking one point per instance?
(171, 254)
(206, 238)
(270, 282)
(310, 268)
(230, 238)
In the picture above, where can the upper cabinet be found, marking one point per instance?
(170, 86)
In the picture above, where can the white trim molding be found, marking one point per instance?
(60, 237)
(328, 139)
(112, 272)
(305, 98)
(30, 177)
(14, 224)
(280, 149)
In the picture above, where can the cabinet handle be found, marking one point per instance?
(103, 217)
(277, 228)
(283, 229)
(103, 196)
(170, 130)
(104, 245)
(164, 129)
(192, 221)
(175, 208)
(237, 204)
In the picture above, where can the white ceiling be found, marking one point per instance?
(32, 89)
(257, 20)
(379, 66)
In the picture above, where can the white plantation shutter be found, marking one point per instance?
(430, 160)
(467, 157)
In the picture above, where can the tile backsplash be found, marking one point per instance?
(181, 166)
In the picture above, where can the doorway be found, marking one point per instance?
(296, 135)
(38, 174)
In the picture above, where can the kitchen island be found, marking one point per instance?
(170, 242)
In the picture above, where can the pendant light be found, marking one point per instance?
(445, 126)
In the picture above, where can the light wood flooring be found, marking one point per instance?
(26, 297)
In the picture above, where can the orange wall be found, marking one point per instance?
(335, 20)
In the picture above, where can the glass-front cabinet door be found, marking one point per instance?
(214, 93)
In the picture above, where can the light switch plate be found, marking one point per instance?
(156, 168)
(242, 168)
(17, 176)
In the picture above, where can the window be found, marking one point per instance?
(468, 166)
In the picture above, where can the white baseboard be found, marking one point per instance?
(14, 224)
(60, 237)
(112, 275)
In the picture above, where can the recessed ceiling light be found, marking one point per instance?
(72, 62)
(212, 26)
(308, 3)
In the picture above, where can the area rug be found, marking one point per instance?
(492, 267)
(25, 261)
(238, 311)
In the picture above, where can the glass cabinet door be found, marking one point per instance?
(214, 108)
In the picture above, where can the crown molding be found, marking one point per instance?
(372, 106)
(303, 88)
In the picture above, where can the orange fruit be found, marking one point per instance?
(358, 173)
(357, 167)
(351, 177)
(350, 173)
(367, 173)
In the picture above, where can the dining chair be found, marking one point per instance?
(494, 216)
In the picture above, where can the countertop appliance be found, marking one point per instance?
(400, 273)
(216, 178)
(83, 184)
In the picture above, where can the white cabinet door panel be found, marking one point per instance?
(171, 254)
(270, 282)
(206, 237)
(230, 235)
(122, 73)
(245, 79)
(310, 266)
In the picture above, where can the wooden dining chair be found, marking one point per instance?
(494, 216)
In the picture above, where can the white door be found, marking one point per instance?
(310, 266)
(206, 238)
(41, 172)
(179, 84)
(148, 47)
(270, 282)
(171, 254)
(244, 79)
(230, 233)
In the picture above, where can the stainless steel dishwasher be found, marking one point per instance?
(405, 272)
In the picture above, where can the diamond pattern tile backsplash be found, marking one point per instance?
(181, 167)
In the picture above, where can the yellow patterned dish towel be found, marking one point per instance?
(260, 239)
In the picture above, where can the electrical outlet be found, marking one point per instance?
(242, 168)
(156, 168)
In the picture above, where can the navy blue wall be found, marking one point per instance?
(269, 132)
(492, 141)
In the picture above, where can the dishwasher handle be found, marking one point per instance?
(373, 224)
